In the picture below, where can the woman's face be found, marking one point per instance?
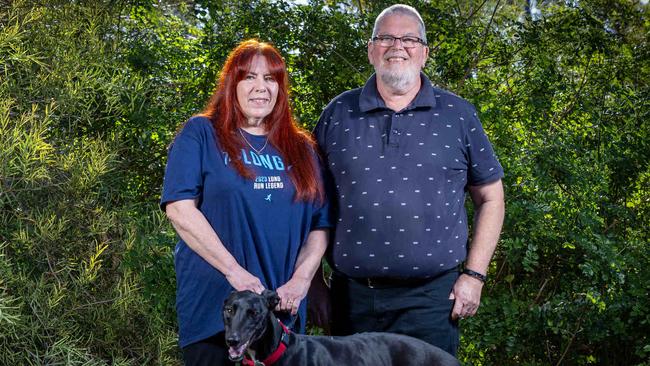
(257, 92)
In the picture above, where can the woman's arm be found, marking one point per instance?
(309, 258)
(196, 231)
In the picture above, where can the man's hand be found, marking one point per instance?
(467, 295)
(291, 294)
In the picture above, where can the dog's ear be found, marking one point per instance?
(272, 298)
(229, 296)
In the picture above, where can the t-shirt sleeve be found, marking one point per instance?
(320, 131)
(483, 164)
(322, 214)
(320, 218)
(183, 177)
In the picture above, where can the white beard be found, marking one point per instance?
(399, 80)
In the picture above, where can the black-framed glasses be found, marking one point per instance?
(407, 41)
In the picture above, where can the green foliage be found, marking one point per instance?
(66, 293)
(91, 94)
(62, 241)
(563, 99)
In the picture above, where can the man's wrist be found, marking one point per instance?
(479, 276)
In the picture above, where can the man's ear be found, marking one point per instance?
(426, 56)
(272, 298)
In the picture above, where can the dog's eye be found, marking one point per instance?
(253, 312)
(228, 311)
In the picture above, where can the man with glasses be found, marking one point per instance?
(401, 154)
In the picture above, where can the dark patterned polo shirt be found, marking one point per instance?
(400, 178)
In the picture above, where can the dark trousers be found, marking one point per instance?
(208, 352)
(422, 311)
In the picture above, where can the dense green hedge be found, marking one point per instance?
(91, 93)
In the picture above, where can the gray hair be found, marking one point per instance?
(400, 9)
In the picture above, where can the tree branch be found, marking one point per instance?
(460, 11)
(474, 11)
(573, 337)
(480, 53)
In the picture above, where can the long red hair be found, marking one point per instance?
(294, 144)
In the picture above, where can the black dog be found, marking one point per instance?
(251, 326)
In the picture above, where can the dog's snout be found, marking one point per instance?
(233, 340)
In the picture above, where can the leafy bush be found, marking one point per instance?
(67, 293)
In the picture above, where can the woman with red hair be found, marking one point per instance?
(243, 190)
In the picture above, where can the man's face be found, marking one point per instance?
(396, 66)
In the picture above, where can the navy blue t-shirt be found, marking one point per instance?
(400, 180)
(257, 220)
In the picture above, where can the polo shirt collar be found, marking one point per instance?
(370, 98)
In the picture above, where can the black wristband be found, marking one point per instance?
(478, 276)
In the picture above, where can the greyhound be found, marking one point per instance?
(252, 328)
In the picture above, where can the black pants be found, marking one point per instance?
(422, 311)
(208, 352)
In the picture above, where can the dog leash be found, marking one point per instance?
(275, 356)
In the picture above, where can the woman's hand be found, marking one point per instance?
(308, 262)
(291, 294)
(199, 235)
(240, 279)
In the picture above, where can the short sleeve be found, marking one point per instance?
(322, 215)
(320, 131)
(183, 174)
(320, 219)
(483, 164)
